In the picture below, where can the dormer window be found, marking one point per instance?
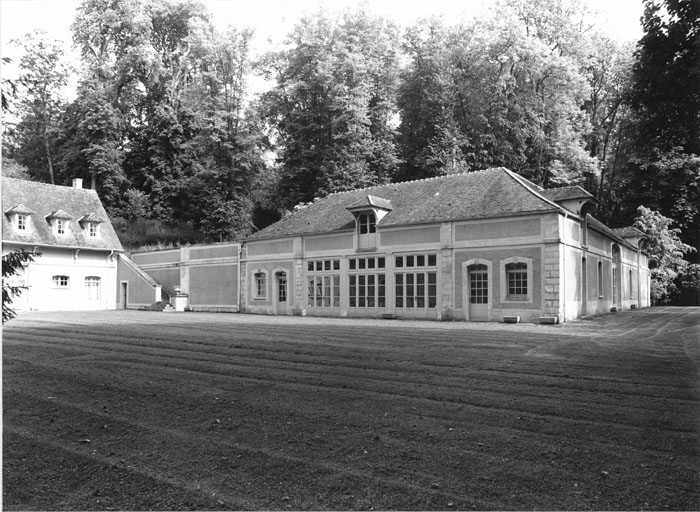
(91, 224)
(368, 211)
(59, 220)
(19, 216)
(367, 223)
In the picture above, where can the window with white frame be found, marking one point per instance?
(415, 278)
(516, 279)
(60, 226)
(367, 230)
(92, 229)
(22, 222)
(323, 282)
(92, 287)
(260, 285)
(61, 281)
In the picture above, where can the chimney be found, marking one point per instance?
(77, 183)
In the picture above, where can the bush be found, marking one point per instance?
(154, 233)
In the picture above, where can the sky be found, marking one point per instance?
(273, 19)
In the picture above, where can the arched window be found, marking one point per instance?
(260, 285)
(61, 281)
(92, 287)
(516, 275)
(516, 279)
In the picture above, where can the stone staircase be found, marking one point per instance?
(162, 305)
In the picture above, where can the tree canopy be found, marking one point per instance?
(166, 128)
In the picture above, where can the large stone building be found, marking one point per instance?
(480, 246)
(79, 249)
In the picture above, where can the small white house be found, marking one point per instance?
(77, 269)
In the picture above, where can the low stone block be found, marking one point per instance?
(512, 319)
(549, 319)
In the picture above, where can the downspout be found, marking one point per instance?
(240, 275)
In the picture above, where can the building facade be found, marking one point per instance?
(68, 226)
(480, 246)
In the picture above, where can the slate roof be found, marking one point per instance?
(567, 193)
(490, 193)
(628, 232)
(371, 202)
(21, 209)
(46, 200)
(59, 214)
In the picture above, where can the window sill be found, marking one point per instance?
(259, 298)
(523, 298)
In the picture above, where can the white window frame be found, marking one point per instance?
(61, 281)
(505, 298)
(93, 283)
(60, 225)
(255, 284)
(22, 222)
(93, 229)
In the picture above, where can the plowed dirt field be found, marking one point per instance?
(136, 410)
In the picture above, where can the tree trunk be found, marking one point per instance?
(49, 159)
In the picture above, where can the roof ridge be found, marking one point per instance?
(420, 180)
(515, 176)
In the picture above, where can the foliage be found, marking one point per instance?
(43, 73)
(663, 169)
(504, 91)
(665, 250)
(11, 169)
(11, 262)
(152, 232)
(666, 91)
(332, 105)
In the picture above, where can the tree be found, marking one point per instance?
(609, 72)
(11, 262)
(504, 91)
(663, 169)
(666, 92)
(43, 73)
(665, 250)
(332, 105)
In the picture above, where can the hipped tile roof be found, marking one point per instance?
(44, 200)
(490, 193)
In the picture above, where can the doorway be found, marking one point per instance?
(281, 278)
(478, 287)
(124, 295)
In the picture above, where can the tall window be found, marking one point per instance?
(60, 226)
(282, 287)
(600, 279)
(516, 274)
(260, 282)
(478, 284)
(21, 222)
(61, 281)
(367, 223)
(92, 229)
(367, 290)
(631, 285)
(323, 280)
(367, 231)
(92, 287)
(416, 280)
